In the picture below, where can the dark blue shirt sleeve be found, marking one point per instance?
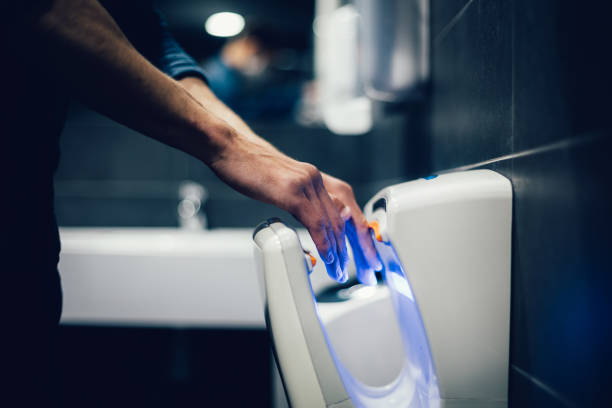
(147, 30)
(172, 59)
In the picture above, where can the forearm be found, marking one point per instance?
(91, 54)
(202, 93)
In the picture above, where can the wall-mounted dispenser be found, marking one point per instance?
(394, 47)
(445, 245)
(344, 106)
(364, 50)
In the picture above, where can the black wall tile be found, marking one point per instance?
(560, 330)
(540, 110)
(95, 148)
(384, 153)
(240, 212)
(471, 90)
(339, 155)
(116, 212)
(561, 76)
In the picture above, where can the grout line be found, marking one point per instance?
(545, 387)
(538, 150)
(452, 23)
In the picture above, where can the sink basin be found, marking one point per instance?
(159, 277)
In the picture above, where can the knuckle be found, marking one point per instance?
(339, 225)
(316, 226)
(321, 225)
(343, 188)
(320, 240)
(311, 171)
(295, 185)
(339, 232)
(338, 202)
(346, 188)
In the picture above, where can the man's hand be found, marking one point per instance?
(269, 176)
(255, 167)
(357, 231)
(325, 205)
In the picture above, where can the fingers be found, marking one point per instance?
(320, 216)
(357, 231)
(333, 210)
(320, 236)
(363, 238)
(264, 174)
(366, 242)
(365, 273)
(309, 213)
(330, 213)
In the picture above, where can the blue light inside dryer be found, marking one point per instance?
(401, 285)
(417, 384)
(419, 362)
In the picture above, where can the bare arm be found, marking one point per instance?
(92, 56)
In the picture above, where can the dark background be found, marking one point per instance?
(521, 87)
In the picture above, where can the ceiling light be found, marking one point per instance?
(225, 24)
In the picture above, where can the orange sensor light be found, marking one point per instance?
(374, 226)
(313, 260)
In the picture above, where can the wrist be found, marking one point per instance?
(220, 139)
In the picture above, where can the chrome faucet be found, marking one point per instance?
(192, 205)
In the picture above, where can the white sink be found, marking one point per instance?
(159, 277)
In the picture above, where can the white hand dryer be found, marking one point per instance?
(445, 244)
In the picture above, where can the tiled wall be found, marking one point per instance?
(112, 176)
(522, 87)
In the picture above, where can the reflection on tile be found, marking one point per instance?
(442, 12)
(525, 393)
